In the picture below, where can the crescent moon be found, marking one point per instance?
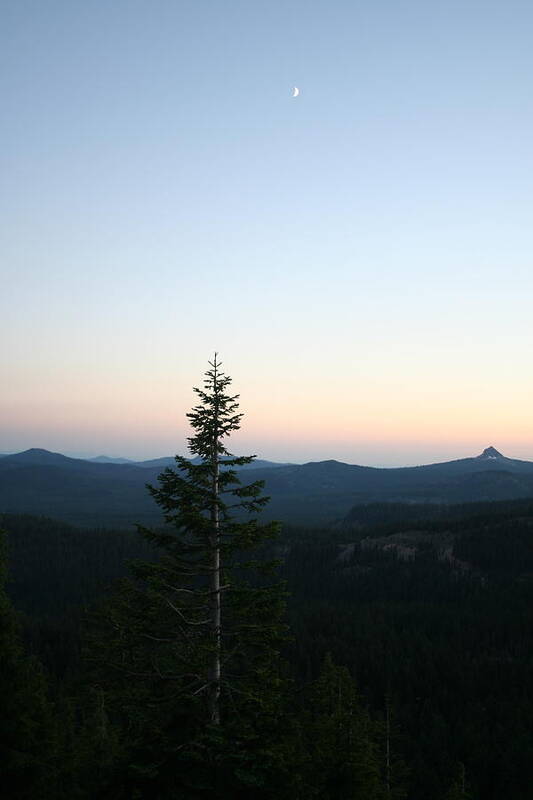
(295, 92)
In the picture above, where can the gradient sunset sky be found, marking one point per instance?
(361, 256)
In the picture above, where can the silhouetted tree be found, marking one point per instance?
(191, 642)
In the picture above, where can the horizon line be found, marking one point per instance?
(133, 461)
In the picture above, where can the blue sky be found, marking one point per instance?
(360, 255)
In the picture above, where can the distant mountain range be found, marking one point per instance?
(169, 461)
(101, 491)
(40, 456)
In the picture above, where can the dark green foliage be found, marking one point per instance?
(26, 727)
(459, 788)
(446, 634)
(426, 615)
(56, 571)
(340, 740)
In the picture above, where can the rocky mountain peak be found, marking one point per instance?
(490, 452)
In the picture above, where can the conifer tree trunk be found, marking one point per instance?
(214, 670)
(387, 748)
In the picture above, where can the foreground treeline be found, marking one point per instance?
(433, 619)
(438, 618)
(121, 733)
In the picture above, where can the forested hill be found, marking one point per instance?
(94, 493)
(437, 615)
(79, 491)
(433, 612)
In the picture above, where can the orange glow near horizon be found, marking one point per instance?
(374, 429)
(388, 409)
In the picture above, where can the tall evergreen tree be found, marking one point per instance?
(459, 789)
(341, 740)
(192, 642)
(395, 771)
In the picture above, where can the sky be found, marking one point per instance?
(361, 256)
